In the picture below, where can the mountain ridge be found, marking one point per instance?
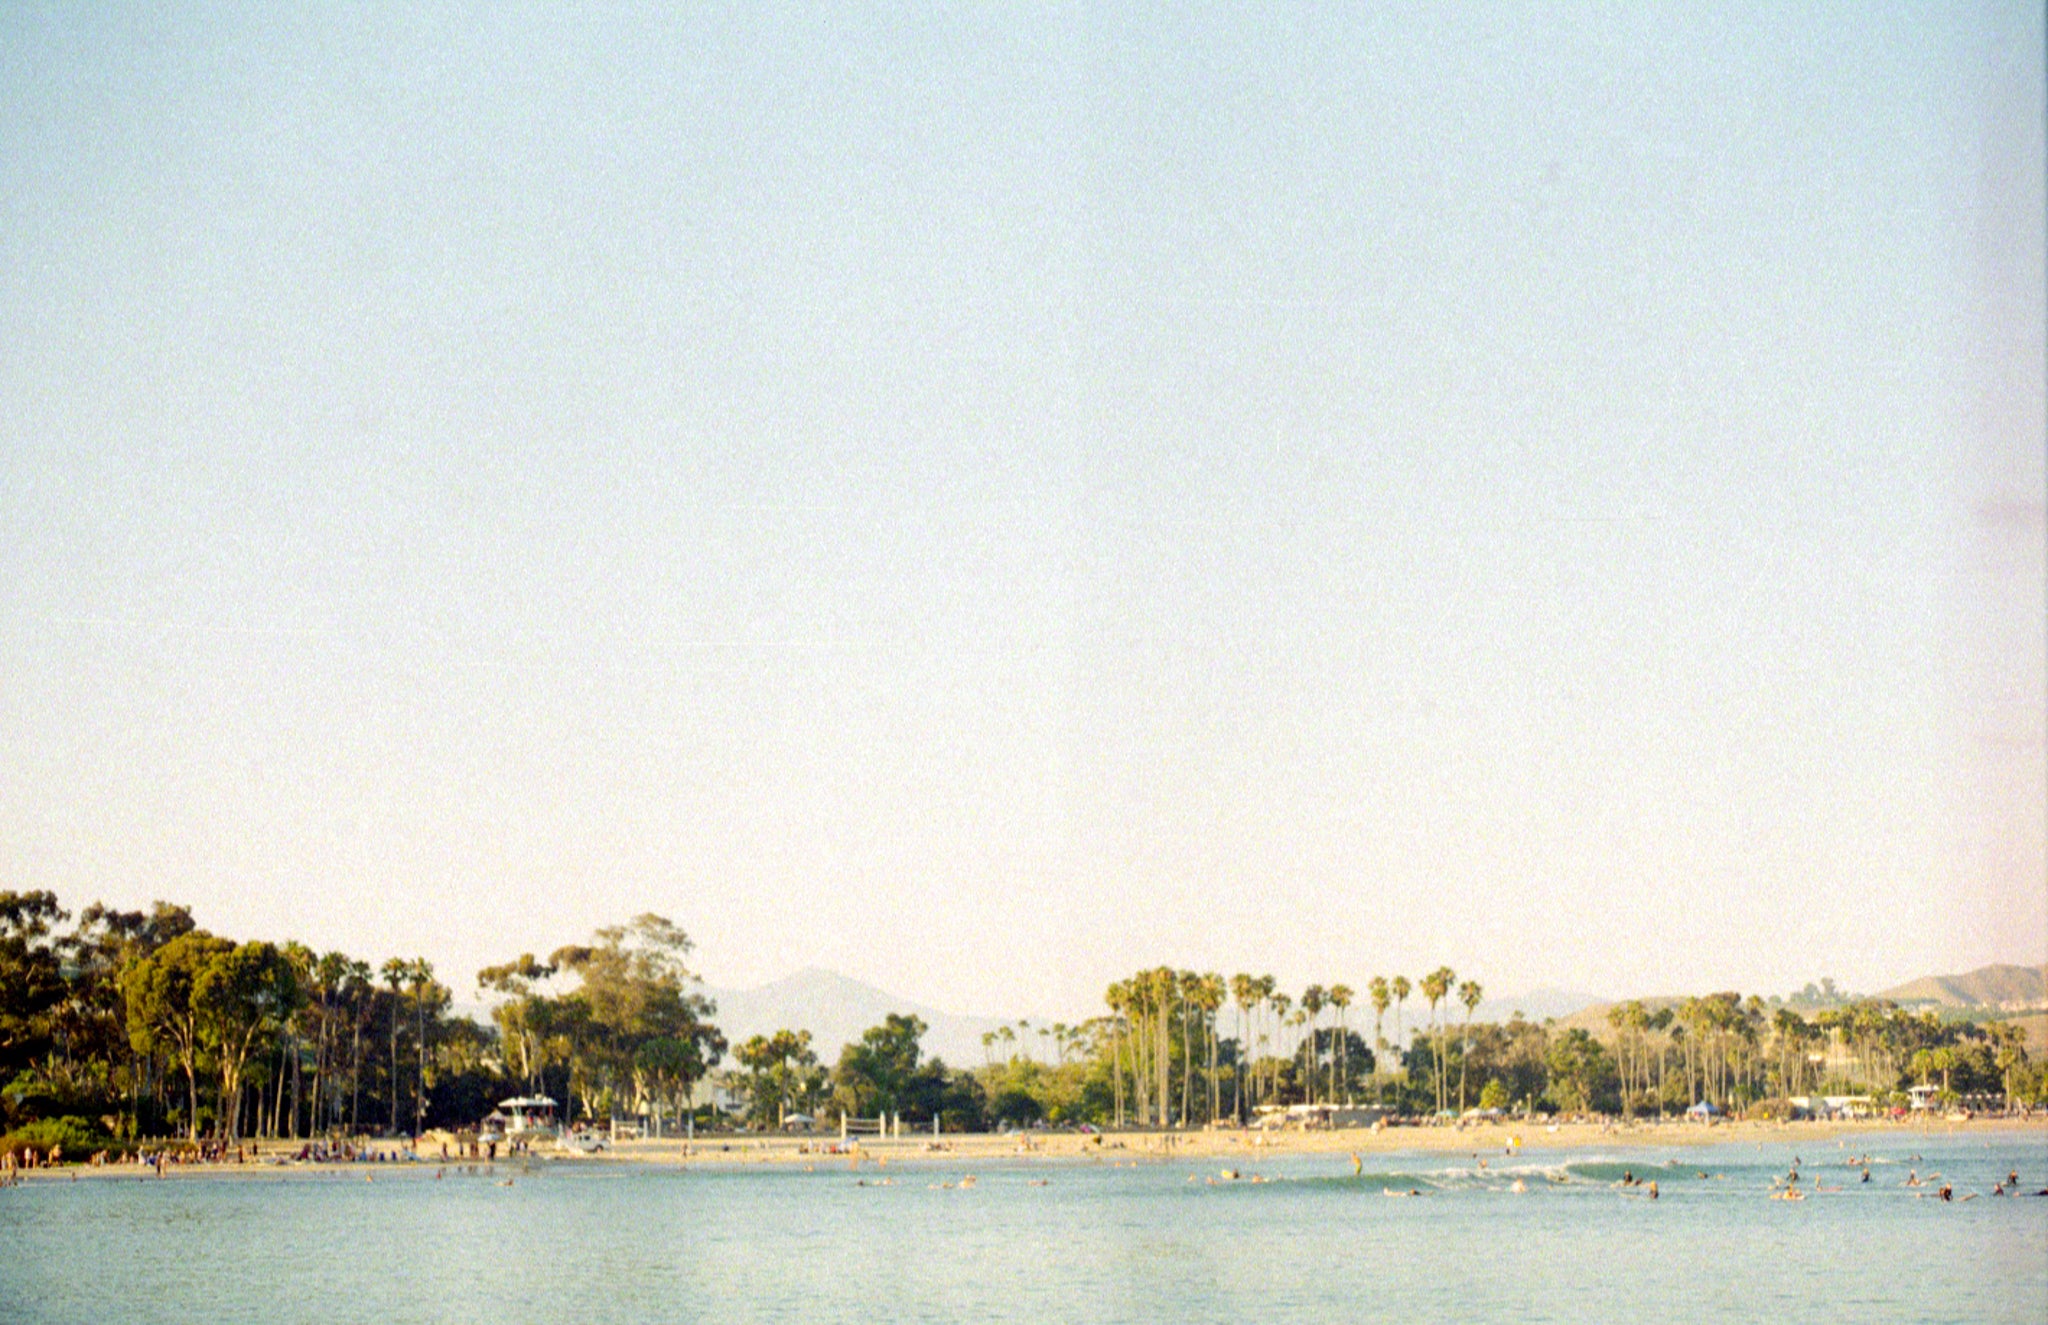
(2000, 986)
(836, 1008)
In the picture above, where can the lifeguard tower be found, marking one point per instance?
(521, 1118)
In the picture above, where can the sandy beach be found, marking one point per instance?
(1222, 1144)
(1226, 1143)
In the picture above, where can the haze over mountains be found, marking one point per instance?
(835, 1009)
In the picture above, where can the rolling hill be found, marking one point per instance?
(2007, 988)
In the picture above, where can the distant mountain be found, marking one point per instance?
(836, 1009)
(1593, 1017)
(1538, 1005)
(2008, 988)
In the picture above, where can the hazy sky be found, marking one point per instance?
(983, 498)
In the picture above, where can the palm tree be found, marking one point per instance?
(1381, 996)
(1313, 1000)
(1269, 991)
(1401, 989)
(1312, 1008)
(1165, 992)
(1340, 1062)
(1281, 1004)
(1209, 998)
(1299, 1021)
(362, 989)
(420, 975)
(1140, 1005)
(395, 972)
(328, 981)
(2010, 1052)
(1185, 986)
(1244, 991)
(1118, 998)
(1469, 993)
(1787, 1033)
(1436, 986)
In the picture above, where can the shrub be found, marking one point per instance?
(75, 1135)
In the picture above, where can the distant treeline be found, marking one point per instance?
(132, 1024)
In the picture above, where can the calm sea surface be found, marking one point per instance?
(601, 1244)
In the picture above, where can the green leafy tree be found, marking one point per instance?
(240, 997)
(518, 981)
(164, 1014)
(1581, 1072)
(875, 1074)
(32, 985)
(634, 987)
(98, 1070)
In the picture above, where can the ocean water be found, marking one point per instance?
(1152, 1242)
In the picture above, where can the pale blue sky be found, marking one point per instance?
(983, 499)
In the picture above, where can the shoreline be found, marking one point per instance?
(741, 1152)
(1162, 1147)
